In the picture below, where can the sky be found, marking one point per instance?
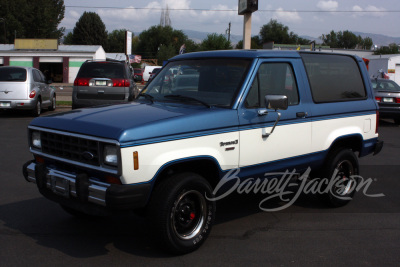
(305, 18)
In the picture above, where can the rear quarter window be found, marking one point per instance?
(334, 78)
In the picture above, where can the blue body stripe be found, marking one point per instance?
(245, 127)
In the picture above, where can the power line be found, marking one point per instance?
(235, 10)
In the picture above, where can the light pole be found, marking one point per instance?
(4, 28)
(246, 7)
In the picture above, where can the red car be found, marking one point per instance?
(138, 75)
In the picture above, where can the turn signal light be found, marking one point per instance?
(135, 160)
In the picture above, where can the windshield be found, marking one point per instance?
(12, 75)
(210, 81)
(385, 85)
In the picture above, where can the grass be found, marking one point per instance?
(64, 103)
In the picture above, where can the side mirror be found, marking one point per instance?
(277, 102)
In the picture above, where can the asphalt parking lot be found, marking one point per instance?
(35, 231)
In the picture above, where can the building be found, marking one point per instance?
(61, 65)
(389, 64)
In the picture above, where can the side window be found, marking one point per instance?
(273, 79)
(333, 77)
(36, 76)
(42, 78)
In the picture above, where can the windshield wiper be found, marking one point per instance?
(147, 96)
(182, 97)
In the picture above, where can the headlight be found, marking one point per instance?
(36, 141)
(110, 155)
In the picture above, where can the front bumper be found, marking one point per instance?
(84, 193)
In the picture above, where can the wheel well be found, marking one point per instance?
(204, 167)
(353, 142)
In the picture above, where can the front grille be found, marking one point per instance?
(71, 148)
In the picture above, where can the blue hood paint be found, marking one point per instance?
(136, 123)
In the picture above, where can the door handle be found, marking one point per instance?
(301, 114)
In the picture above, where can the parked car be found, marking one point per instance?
(103, 82)
(232, 121)
(138, 74)
(387, 94)
(153, 73)
(25, 88)
(147, 71)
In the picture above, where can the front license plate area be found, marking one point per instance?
(59, 186)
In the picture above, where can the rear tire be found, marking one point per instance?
(179, 213)
(342, 165)
(53, 103)
(38, 109)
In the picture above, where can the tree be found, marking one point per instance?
(68, 39)
(330, 39)
(153, 39)
(116, 41)
(367, 43)
(215, 42)
(166, 52)
(89, 30)
(255, 43)
(278, 33)
(345, 39)
(348, 40)
(31, 19)
(391, 49)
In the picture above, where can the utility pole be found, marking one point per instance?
(228, 31)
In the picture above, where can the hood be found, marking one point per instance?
(137, 123)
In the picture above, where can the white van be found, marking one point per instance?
(147, 71)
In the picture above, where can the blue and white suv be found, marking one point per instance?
(251, 112)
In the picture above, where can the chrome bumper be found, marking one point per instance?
(64, 184)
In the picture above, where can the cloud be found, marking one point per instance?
(368, 11)
(328, 5)
(286, 16)
(74, 14)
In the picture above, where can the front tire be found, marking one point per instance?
(341, 165)
(180, 214)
